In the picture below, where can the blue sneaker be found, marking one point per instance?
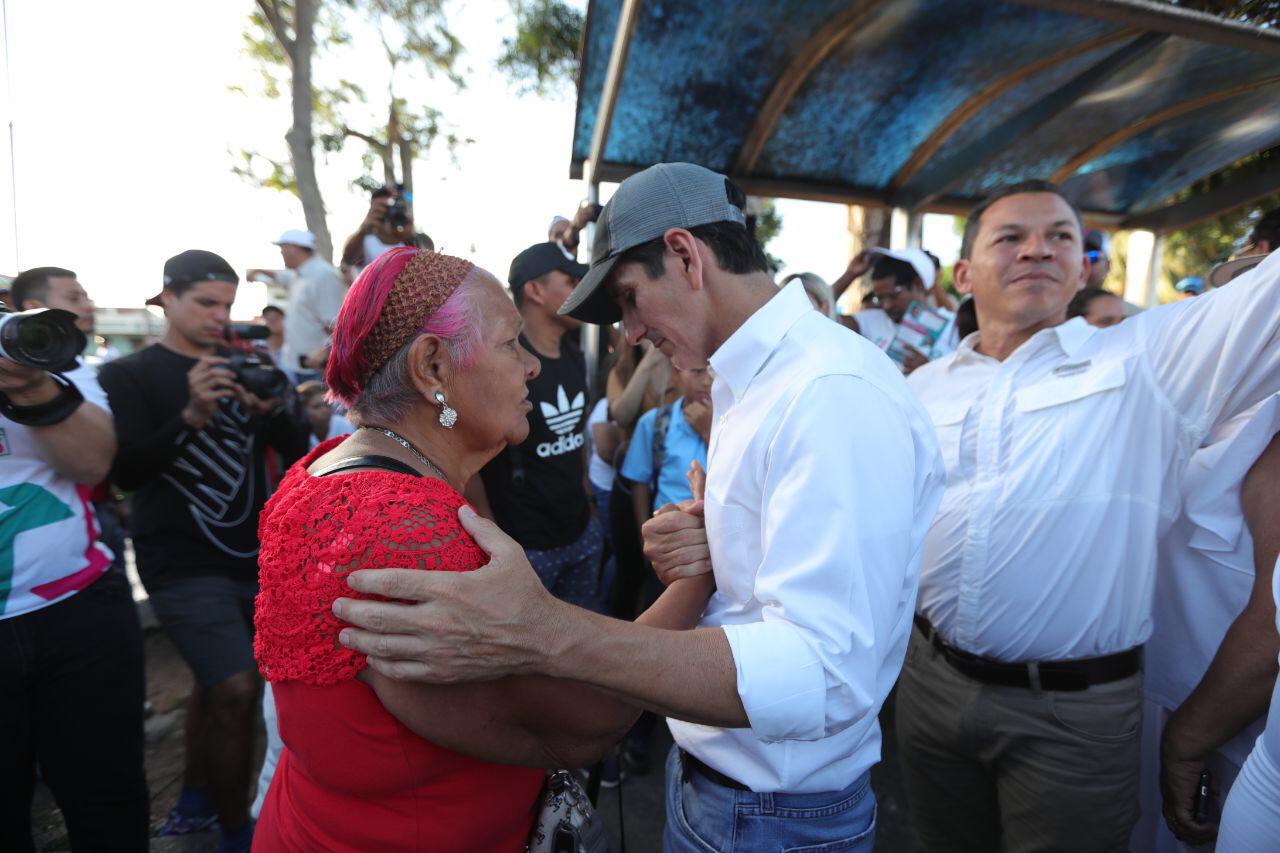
(192, 813)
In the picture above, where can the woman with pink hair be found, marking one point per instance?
(426, 355)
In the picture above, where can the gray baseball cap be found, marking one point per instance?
(645, 206)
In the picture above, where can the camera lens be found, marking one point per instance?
(44, 338)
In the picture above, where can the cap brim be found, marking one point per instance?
(575, 269)
(591, 301)
(155, 300)
(1225, 272)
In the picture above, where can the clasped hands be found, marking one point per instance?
(675, 538)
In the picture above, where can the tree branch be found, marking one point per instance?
(366, 138)
(276, 21)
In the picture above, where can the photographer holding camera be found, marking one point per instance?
(389, 223)
(71, 674)
(195, 417)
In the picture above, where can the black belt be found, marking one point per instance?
(1043, 675)
(693, 765)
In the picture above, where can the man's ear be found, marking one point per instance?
(535, 291)
(429, 366)
(689, 252)
(960, 277)
(31, 304)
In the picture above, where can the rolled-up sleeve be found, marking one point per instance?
(837, 576)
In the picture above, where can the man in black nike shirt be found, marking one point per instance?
(536, 491)
(192, 450)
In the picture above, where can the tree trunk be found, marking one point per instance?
(388, 151)
(300, 140)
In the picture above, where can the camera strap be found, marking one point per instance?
(53, 412)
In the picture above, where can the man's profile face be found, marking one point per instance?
(200, 311)
(69, 295)
(653, 308)
(1026, 262)
(553, 289)
(293, 256)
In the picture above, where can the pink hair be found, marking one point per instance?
(454, 323)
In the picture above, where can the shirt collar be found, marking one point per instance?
(1071, 336)
(740, 358)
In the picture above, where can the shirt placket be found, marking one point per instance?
(975, 559)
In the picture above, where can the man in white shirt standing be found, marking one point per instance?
(315, 295)
(1019, 707)
(813, 539)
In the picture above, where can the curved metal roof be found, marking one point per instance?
(928, 104)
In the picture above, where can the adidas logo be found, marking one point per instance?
(562, 419)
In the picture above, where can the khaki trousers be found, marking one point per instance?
(991, 768)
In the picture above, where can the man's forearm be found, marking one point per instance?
(81, 447)
(1235, 690)
(688, 675)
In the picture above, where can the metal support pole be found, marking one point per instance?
(915, 230)
(899, 228)
(13, 163)
(590, 331)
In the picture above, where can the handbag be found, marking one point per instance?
(566, 821)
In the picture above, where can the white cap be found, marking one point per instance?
(297, 237)
(920, 262)
(1227, 270)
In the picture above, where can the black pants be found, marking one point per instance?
(635, 586)
(72, 689)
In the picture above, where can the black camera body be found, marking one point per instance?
(398, 212)
(254, 370)
(45, 338)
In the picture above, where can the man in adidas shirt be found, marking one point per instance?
(536, 491)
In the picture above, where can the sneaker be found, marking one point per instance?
(177, 823)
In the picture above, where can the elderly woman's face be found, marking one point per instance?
(492, 396)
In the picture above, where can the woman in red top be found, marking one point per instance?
(426, 354)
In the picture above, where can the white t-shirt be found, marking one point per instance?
(49, 548)
(375, 248)
(598, 471)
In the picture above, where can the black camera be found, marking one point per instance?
(254, 370)
(46, 338)
(398, 211)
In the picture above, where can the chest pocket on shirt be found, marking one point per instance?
(1058, 414)
(948, 421)
(733, 535)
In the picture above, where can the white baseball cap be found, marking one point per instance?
(297, 237)
(1227, 270)
(920, 262)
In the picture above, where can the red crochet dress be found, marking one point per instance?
(351, 776)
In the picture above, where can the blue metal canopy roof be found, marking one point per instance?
(928, 104)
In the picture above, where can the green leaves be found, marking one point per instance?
(543, 55)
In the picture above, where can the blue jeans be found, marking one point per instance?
(703, 817)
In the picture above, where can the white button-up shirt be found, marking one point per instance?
(315, 297)
(1063, 465)
(823, 475)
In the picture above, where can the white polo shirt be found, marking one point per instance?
(822, 478)
(1064, 463)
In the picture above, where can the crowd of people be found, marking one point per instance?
(1049, 520)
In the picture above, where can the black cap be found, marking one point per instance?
(540, 259)
(183, 270)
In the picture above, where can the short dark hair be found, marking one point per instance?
(1268, 229)
(273, 308)
(735, 248)
(901, 272)
(1079, 304)
(34, 284)
(1020, 188)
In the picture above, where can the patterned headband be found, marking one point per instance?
(426, 281)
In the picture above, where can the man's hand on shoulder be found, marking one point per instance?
(448, 627)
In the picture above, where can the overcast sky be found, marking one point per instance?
(124, 127)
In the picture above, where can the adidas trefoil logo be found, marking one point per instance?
(562, 419)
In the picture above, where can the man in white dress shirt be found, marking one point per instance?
(813, 538)
(1020, 703)
(1211, 658)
